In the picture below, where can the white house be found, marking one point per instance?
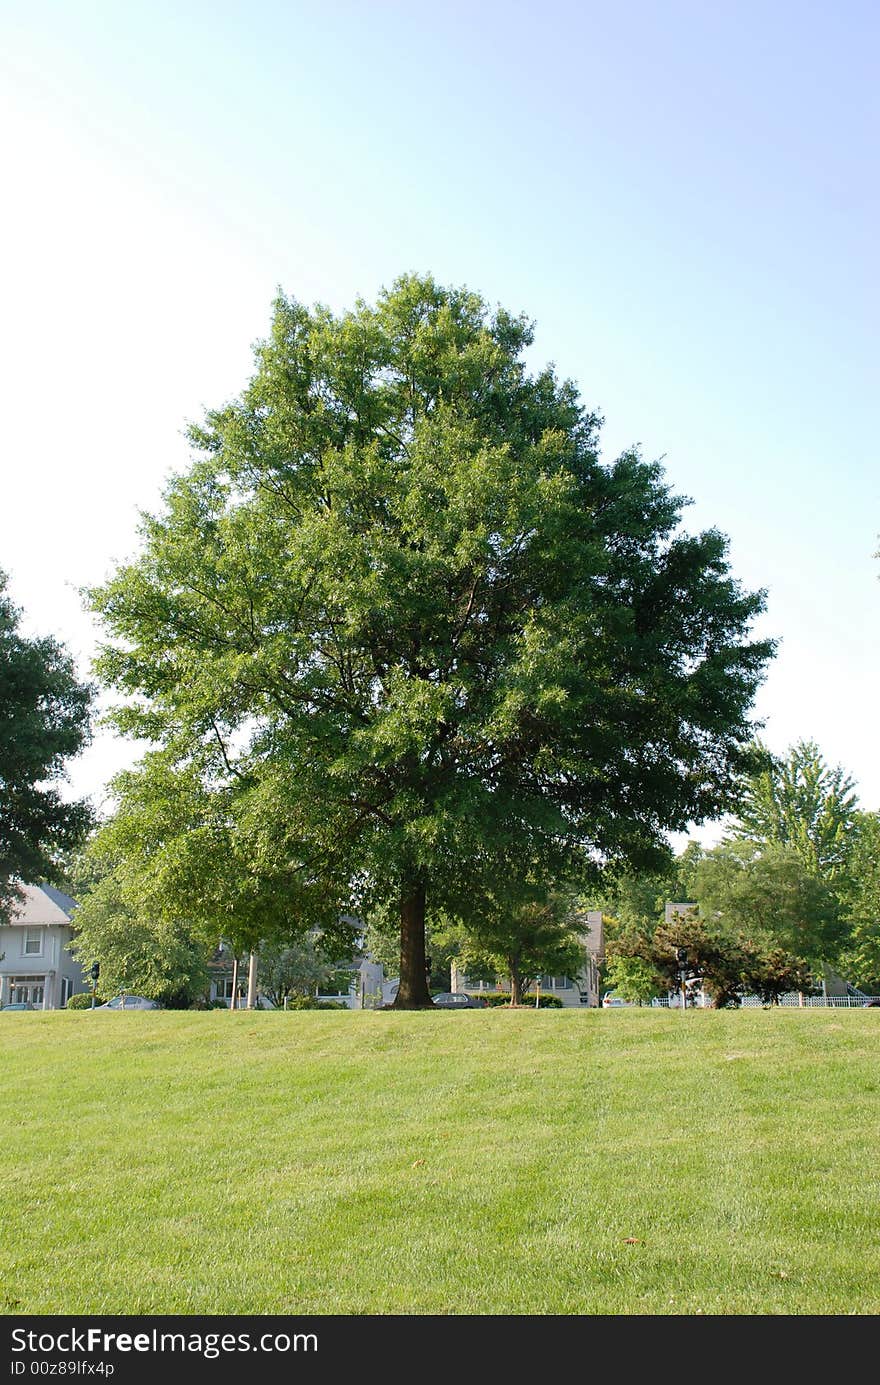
(36, 966)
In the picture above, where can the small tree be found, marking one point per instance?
(634, 976)
(297, 968)
(771, 972)
(162, 959)
(525, 939)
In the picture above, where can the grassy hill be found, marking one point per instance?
(485, 1162)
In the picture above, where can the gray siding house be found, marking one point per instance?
(36, 966)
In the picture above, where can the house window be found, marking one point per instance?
(224, 988)
(33, 942)
(26, 990)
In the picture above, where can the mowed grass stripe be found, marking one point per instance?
(485, 1162)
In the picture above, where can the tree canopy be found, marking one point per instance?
(44, 721)
(772, 895)
(399, 598)
(801, 802)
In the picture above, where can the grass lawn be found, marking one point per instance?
(488, 1162)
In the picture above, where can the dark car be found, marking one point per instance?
(871, 1004)
(458, 1000)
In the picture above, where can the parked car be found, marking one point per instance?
(871, 1004)
(458, 1000)
(610, 1001)
(129, 1002)
(19, 1005)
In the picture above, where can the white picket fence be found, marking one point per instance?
(792, 1000)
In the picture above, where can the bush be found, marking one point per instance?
(308, 1002)
(545, 1002)
(83, 1001)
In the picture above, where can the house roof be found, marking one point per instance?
(41, 904)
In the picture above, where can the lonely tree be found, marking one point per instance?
(400, 596)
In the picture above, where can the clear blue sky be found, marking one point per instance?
(682, 195)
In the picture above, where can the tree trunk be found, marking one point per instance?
(516, 986)
(412, 993)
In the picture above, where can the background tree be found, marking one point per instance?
(524, 939)
(400, 593)
(631, 971)
(772, 896)
(802, 803)
(860, 895)
(183, 858)
(44, 721)
(297, 968)
(163, 959)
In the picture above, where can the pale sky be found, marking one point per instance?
(683, 196)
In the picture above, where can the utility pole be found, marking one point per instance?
(682, 958)
(252, 982)
(233, 1001)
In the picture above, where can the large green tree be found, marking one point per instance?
(44, 722)
(400, 593)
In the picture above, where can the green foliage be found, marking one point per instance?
(294, 969)
(189, 842)
(633, 976)
(772, 895)
(400, 605)
(310, 1002)
(860, 959)
(162, 959)
(83, 1001)
(801, 803)
(44, 721)
(633, 898)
